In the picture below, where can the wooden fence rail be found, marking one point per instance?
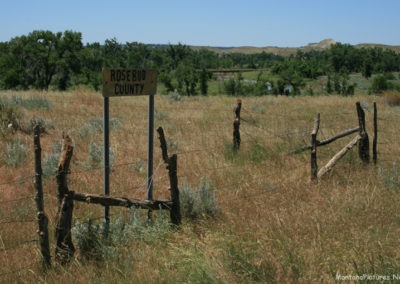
(361, 139)
(64, 246)
(65, 249)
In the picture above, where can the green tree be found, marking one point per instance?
(34, 60)
(187, 78)
(68, 48)
(205, 76)
(344, 57)
(379, 84)
(205, 59)
(12, 66)
(41, 55)
(279, 87)
(235, 87)
(329, 89)
(176, 54)
(239, 84)
(262, 85)
(341, 84)
(367, 68)
(114, 56)
(91, 58)
(230, 87)
(137, 54)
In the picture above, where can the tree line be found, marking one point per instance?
(45, 60)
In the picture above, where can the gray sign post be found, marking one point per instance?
(127, 82)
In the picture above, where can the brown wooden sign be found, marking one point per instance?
(129, 82)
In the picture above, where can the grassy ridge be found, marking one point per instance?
(272, 224)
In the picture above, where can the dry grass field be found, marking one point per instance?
(261, 220)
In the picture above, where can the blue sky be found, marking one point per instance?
(208, 22)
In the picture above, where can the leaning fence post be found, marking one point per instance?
(363, 144)
(64, 246)
(236, 126)
(163, 144)
(314, 145)
(41, 216)
(172, 165)
(375, 141)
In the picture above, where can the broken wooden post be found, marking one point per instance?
(375, 141)
(171, 162)
(41, 216)
(236, 126)
(63, 168)
(363, 143)
(163, 144)
(64, 246)
(314, 144)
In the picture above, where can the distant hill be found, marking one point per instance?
(286, 51)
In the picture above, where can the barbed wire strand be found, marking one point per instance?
(21, 269)
(21, 244)
(17, 221)
(19, 181)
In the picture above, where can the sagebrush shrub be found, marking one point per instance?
(15, 153)
(200, 202)
(10, 116)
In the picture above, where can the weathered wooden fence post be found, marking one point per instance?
(314, 145)
(172, 166)
(175, 212)
(236, 126)
(64, 246)
(375, 141)
(41, 216)
(363, 143)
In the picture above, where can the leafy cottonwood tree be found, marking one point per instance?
(137, 55)
(205, 76)
(379, 84)
(43, 59)
(34, 60)
(91, 60)
(68, 48)
(187, 78)
(113, 54)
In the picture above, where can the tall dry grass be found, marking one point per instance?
(272, 225)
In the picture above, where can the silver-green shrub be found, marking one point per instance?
(15, 153)
(198, 202)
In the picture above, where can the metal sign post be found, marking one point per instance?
(151, 149)
(127, 82)
(106, 159)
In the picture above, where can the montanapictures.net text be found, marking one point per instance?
(367, 277)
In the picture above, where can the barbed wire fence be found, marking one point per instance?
(16, 214)
(254, 130)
